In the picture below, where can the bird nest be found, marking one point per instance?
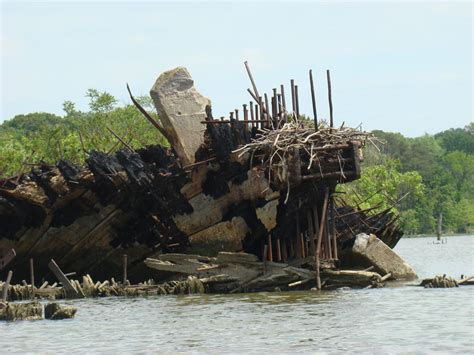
(297, 149)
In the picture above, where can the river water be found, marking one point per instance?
(397, 319)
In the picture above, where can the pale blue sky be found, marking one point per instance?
(396, 66)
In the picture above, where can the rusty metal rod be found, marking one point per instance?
(297, 102)
(293, 103)
(246, 116)
(313, 100)
(331, 120)
(251, 112)
(268, 117)
(251, 80)
(228, 121)
(147, 115)
(120, 139)
(283, 100)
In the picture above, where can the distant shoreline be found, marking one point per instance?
(434, 236)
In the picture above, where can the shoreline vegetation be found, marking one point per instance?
(420, 178)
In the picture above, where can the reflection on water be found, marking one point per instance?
(391, 320)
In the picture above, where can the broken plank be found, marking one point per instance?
(70, 290)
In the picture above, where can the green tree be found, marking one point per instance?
(100, 101)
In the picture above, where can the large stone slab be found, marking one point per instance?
(181, 109)
(382, 257)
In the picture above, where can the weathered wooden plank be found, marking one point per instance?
(70, 290)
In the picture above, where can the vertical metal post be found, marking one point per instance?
(257, 116)
(283, 101)
(328, 75)
(293, 103)
(252, 116)
(279, 106)
(313, 100)
(267, 117)
(246, 116)
(262, 110)
(275, 119)
(275, 108)
(297, 102)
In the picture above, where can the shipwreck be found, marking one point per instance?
(251, 194)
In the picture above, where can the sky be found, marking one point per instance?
(397, 66)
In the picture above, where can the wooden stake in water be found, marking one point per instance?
(125, 262)
(6, 285)
(32, 273)
(439, 229)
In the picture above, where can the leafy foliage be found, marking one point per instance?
(437, 172)
(47, 138)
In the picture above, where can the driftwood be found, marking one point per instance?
(241, 272)
(443, 281)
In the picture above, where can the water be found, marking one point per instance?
(390, 320)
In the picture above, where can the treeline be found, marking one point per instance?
(44, 137)
(421, 178)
